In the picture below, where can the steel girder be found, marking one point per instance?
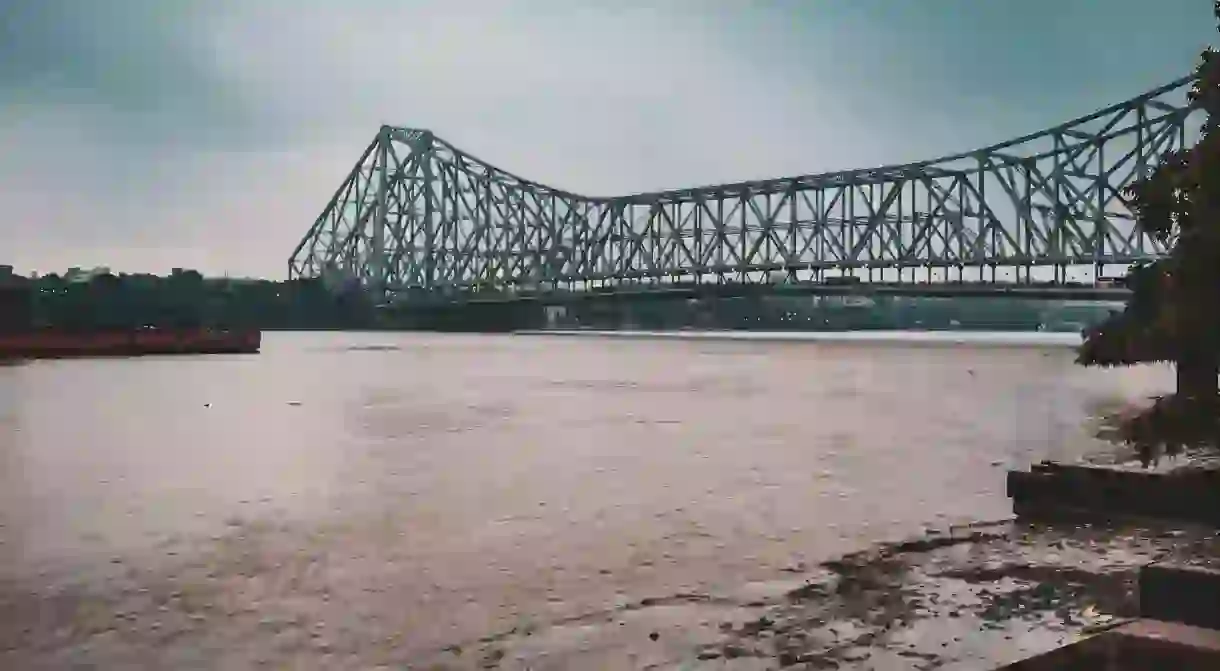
(416, 213)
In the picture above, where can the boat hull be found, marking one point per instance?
(60, 344)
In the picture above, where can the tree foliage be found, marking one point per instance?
(1172, 315)
(188, 300)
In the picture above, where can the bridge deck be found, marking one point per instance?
(712, 291)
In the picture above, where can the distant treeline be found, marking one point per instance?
(187, 299)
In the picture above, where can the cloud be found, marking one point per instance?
(135, 71)
(144, 134)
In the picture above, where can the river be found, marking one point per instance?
(375, 497)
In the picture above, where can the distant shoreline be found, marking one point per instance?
(982, 338)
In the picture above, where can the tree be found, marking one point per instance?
(1173, 313)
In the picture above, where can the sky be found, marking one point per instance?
(149, 134)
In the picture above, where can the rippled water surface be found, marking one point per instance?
(376, 497)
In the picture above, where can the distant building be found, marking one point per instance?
(76, 275)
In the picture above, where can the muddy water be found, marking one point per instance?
(350, 500)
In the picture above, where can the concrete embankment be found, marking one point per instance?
(1188, 493)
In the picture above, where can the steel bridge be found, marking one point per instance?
(417, 216)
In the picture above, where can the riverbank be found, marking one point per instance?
(969, 599)
(972, 598)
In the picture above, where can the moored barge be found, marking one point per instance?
(49, 344)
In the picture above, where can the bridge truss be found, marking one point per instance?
(417, 214)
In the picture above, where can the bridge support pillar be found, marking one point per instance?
(627, 320)
(555, 316)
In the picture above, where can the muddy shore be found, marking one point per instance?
(967, 599)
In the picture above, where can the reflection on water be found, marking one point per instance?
(407, 491)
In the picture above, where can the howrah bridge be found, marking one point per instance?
(418, 219)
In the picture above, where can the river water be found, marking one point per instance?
(375, 497)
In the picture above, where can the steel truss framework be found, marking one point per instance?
(416, 213)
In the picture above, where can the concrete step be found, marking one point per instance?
(1179, 629)
(1141, 645)
(1183, 594)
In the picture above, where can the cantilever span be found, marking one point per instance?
(418, 214)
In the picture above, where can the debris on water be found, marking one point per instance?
(373, 348)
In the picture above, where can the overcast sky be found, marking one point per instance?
(146, 134)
